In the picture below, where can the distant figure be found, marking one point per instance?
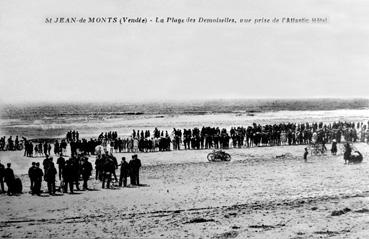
(31, 175)
(306, 154)
(50, 174)
(2, 174)
(124, 172)
(138, 166)
(68, 176)
(334, 147)
(86, 172)
(114, 159)
(347, 153)
(134, 167)
(38, 180)
(9, 178)
(108, 169)
(61, 164)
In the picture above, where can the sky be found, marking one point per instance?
(142, 62)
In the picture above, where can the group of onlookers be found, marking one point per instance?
(71, 172)
(10, 143)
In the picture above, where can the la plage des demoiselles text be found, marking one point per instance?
(176, 20)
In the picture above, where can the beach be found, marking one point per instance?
(182, 195)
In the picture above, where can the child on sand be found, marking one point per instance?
(306, 154)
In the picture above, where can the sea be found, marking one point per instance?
(53, 120)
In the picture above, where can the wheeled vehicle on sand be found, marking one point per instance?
(317, 148)
(218, 156)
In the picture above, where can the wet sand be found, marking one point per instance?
(255, 195)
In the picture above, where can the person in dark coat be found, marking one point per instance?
(68, 176)
(115, 166)
(132, 171)
(334, 147)
(2, 174)
(347, 153)
(75, 171)
(9, 178)
(108, 169)
(46, 162)
(61, 165)
(31, 175)
(137, 169)
(124, 172)
(50, 174)
(38, 180)
(306, 154)
(98, 167)
(86, 172)
(134, 167)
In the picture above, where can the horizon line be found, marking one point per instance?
(194, 100)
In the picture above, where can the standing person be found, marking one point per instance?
(2, 175)
(31, 175)
(68, 176)
(46, 149)
(9, 178)
(63, 147)
(334, 147)
(46, 162)
(76, 171)
(61, 164)
(38, 179)
(86, 172)
(137, 169)
(114, 159)
(98, 167)
(306, 154)
(56, 148)
(347, 153)
(132, 171)
(108, 169)
(124, 172)
(30, 149)
(50, 174)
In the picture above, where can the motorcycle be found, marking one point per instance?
(218, 156)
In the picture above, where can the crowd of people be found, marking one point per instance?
(71, 172)
(77, 167)
(106, 165)
(10, 144)
(36, 149)
(237, 137)
(204, 138)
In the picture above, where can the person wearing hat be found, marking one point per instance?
(134, 167)
(124, 172)
(132, 175)
(31, 175)
(61, 164)
(137, 168)
(38, 180)
(50, 174)
(86, 170)
(9, 178)
(68, 176)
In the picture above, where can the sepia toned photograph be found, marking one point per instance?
(184, 119)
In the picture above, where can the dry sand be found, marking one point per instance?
(255, 195)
